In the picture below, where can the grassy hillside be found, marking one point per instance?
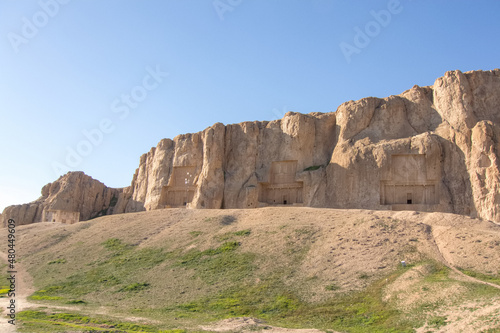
(332, 270)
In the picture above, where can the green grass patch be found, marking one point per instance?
(195, 233)
(45, 298)
(231, 235)
(494, 278)
(136, 287)
(305, 232)
(245, 232)
(111, 273)
(46, 295)
(332, 287)
(43, 295)
(115, 244)
(220, 265)
(265, 300)
(76, 301)
(57, 261)
(40, 321)
(59, 237)
(139, 259)
(438, 273)
(437, 321)
(3, 278)
(280, 305)
(195, 256)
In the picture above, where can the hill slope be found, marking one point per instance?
(293, 267)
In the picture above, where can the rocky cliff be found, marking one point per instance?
(73, 192)
(430, 148)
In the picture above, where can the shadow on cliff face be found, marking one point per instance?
(456, 179)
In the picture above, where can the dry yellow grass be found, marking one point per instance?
(315, 254)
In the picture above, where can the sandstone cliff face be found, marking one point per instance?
(229, 163)
(454, 124)
(430, 148)
(73, 192)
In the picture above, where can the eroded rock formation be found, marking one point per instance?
(430, 148)
(73, 192)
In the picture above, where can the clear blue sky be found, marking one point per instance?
(68, 69)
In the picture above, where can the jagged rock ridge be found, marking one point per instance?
(430, 148)
(73, 192)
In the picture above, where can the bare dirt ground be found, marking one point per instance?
(350, 248)
(243, 324)
(468, 317)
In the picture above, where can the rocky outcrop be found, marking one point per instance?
(228, 163)
(430, 148)
(73, 192)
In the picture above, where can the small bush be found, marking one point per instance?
(313, 168)
(227, 247)
(135, 287)
(437, 321)
(57, 261)
(191, 307)
(243, 232)
(114, 244)
(332, 287)
(110, 280)
(76, 301)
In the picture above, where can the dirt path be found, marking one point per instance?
(245, 324)
(441, 256)
(24, 288)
